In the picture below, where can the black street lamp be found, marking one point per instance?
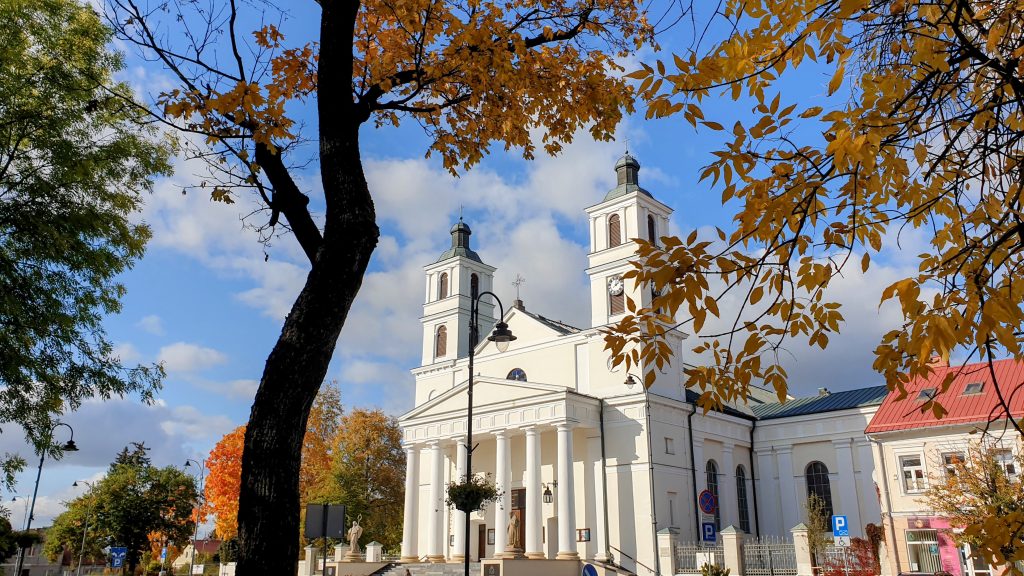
(501, 336)
(88, 509)
(202, 500)
(68, 446)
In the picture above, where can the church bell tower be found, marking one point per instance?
(451, 284)
(627, 212)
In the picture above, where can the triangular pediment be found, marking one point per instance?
(529, 329)
(488, 394)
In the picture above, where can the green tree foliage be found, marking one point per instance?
(73, 167)
(8, 537)
(133, 502)
(368, 474)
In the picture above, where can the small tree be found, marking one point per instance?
(819, 526)
(133, 501)
(982, 493)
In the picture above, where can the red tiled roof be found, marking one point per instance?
(903, 414)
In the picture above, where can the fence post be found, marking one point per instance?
(312, 555)
(339, 552)
(667, 549)
(732, 550)
(802, 549)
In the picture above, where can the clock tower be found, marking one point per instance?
(627, 212)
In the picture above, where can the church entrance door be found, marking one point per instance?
(481, 542)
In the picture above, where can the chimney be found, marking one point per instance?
(518, 304)
(939, 361)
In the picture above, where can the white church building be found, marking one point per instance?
(593, 466)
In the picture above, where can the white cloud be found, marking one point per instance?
(188, 357)
(152, 324)
(127, 353)
(244, 389)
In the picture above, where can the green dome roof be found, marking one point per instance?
(460, 243)
(627, 171)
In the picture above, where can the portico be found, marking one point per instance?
(525, 442)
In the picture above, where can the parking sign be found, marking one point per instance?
(117, 554)
(839, 526)
(708, 531)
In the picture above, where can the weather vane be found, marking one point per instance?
(519, 281)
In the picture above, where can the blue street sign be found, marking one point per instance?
(707, 530)
(163, 554)
(706, 501)
(589, 570)
(117, 555)
(839, 526)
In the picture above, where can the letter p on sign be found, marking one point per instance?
(839, 526)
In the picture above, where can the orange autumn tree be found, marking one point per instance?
(225, 462)
(367, 474)
(469, 73)
(325, 420)
(222, 483)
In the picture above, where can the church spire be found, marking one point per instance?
(460, 243)
(627, 180)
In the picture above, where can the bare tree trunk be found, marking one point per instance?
(268, 505)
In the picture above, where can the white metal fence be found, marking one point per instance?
(768, 556)
(690, 557)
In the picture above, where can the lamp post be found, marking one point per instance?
(88, 509)
(24, 516)
(68, 446)
(630, 382)
(501, 336)
(202, 500)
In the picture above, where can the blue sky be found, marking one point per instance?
(206, 302)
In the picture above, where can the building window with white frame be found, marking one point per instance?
(912, 469)
(950, 461)
(1006, 461)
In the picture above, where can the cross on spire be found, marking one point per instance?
(519, 281)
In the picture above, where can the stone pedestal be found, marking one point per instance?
(353, 556)
(512, 553)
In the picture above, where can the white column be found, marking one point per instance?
(787, 488)
(727, 490)
(566, 496)
(847, 487)
(412, 488)
(600, 538)
(870, 507)
(503, 473)
(458, 516)
(435, 529)
(768, 509)
(534, 549)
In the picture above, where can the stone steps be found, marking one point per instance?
(427, 569)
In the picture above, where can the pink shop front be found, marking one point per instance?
(930, 548)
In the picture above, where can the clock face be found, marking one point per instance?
(615, 285)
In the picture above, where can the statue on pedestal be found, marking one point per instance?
(514, 546)
(354, 533)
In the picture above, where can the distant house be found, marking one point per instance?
(912, 448)
(206, 547)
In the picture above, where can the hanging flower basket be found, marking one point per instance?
(472, 494)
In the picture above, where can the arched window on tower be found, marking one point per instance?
(614, 231)
(741, 498)
(816, 475)
(441, 342)
(516, 374)
(442, 286)
(652, 230)
(474, 286)
(711, 471)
